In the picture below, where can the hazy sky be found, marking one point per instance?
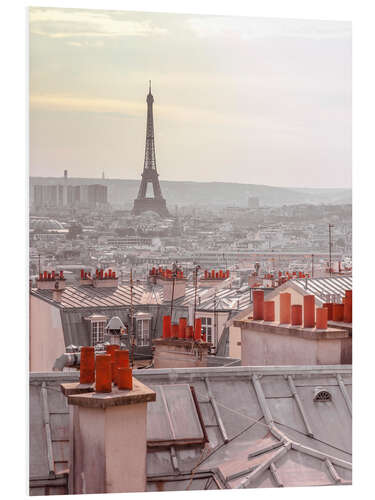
(259, 101)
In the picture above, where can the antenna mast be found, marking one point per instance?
(131, 333)
(330, 226)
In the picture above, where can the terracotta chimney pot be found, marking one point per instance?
(296, 315)
(285, 303)
(269, 310)
(258, 304)
(87, 365)
(309, 311)
(321, 318)
(103, 373)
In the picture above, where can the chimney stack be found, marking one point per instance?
(103, 373)
(182, 328)
(258, 304)
(348, 306)
(285, 304)
(338, 312)
(174, 331)
(166, 327)
(329, 307)
(198, 329)
(309, 311)
(108, 431)
(321, 318)
(269, 310)
(296, 315)
(87, 365)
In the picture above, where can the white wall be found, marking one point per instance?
(260, 348)
(46, 335)
(235, 342)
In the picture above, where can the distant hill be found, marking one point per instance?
(123, 192)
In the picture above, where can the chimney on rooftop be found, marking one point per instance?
(258, 304)
(321, 318)
(285, 304)
(108, 429)
(105, 279)
(309, 311)
(296, 315)
(51, 281)
(173, 283)
(348, 306)
(269, 310)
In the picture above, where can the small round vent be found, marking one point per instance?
(322, 395)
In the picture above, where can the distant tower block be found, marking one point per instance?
(65, 174)
(150, 175)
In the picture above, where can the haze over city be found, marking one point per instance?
(258, 101)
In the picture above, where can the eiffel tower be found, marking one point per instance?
(150, 175)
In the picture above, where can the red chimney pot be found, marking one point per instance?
(103, 373)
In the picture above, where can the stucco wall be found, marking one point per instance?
(235, 342)
(126, 448)
(112, 449)
(261, 348)
(46, 335)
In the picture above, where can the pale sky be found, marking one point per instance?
(257, 101)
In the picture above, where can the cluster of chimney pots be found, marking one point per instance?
(182, 330)
(292, 313)
(99, 274)
(216, 275)
(166, 273)
(106, 369)
(52, 276)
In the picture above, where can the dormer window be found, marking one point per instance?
(97, 332)
(97, 328)
(322, 395)
(207, 329)
(143, 329)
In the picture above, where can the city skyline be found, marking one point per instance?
(235, 100)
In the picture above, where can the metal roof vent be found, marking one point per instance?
(322, 395)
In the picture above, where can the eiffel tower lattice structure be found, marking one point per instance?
(150, 175)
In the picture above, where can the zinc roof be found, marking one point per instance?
(89, 297)
(326, 289)
(263, 426)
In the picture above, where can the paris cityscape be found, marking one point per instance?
(205, 324)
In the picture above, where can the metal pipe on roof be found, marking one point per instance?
(174, 459)
(300, 407)
(322, 456)
(332, 471)
(216, 411)
(47, 427)
(245, 483)
(275, 475)
(262, 400)
(344, 392)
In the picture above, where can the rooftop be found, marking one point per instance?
(91, 297)
(265, 427)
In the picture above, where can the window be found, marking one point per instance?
(208, 330)
(143, 332)
(322, 395)
(97, 332)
